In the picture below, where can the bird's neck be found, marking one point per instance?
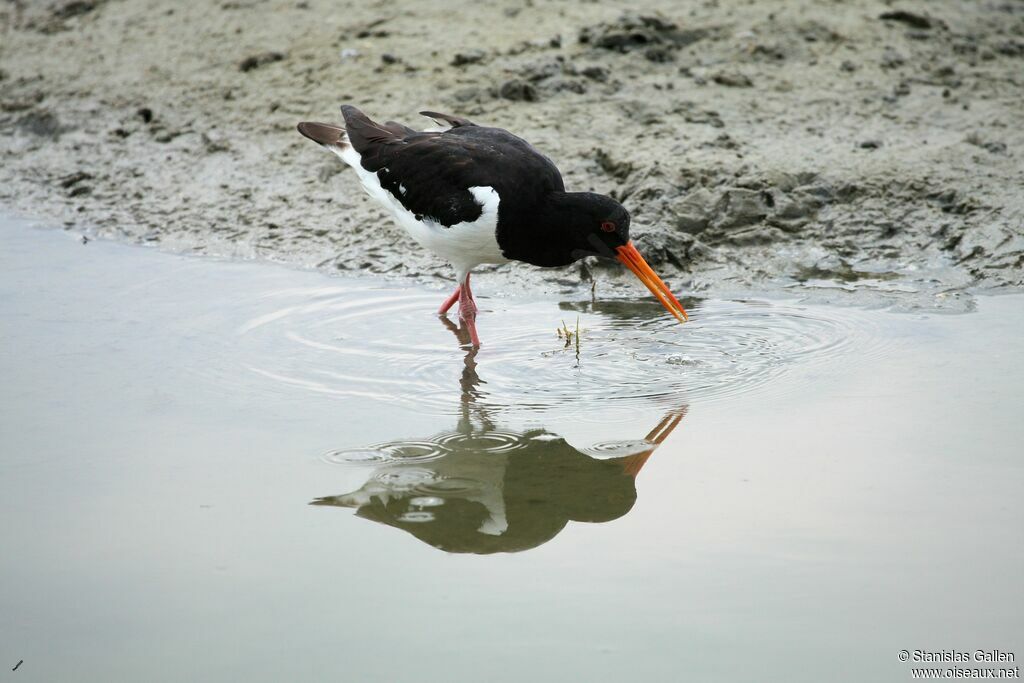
(542, 234)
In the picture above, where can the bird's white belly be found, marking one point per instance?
(465, 245)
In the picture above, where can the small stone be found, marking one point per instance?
(518, 90)
(732, 79)
(44, 124)
(595, 73)
(214, 141)
(892, 59)
(694, 213)
(468, 57)
(73, 179)
(567, 85)
(739, 207)
(908, 18)
(469, 94)
(658, 54)
(261, 59)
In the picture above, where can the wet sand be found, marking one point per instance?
(758, 145)
(202, 478)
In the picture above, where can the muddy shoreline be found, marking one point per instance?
(862, 151)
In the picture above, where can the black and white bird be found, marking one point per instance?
(474, 195)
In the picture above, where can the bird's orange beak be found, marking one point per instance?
(632, 259)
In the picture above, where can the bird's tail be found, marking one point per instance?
(329, 135)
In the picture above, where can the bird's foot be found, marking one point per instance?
(467, 309)
(467, 313)
(470, 324)
(450, 301)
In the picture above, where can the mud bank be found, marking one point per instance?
(864, 151)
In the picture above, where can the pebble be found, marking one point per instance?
(518, 90)
(468, 57)
(263, 58)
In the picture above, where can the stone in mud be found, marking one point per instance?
(993, 146)
(1011, 48)
(56, 15)
(595, 73)
(635, 31)
(43, 124)
(659, 54)
(908, 18)
(989, 240)
(891, 59)
(468, 57)
(470, 94)
(370, 30)
(518, 90)
(816, 32)
(73, 179)
(755, 235)
(723, 141)
(739, 207)
(256, 61)
(694, 212)
(616, 168)
(75, 8)
(660, 248)
(215, 141)
(566, 85)
(543, 70)
(770, 52)
(708, 116)
(328, 170)
(21, 104)
(732, 79)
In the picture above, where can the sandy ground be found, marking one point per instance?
(851, 149)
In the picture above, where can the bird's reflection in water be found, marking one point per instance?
(486, 490)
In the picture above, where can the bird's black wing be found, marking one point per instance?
(453, 121)
(430, 173)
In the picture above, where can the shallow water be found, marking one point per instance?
(222, 470)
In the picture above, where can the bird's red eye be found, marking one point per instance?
(608, 226)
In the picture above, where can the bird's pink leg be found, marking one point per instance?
(450, 301)
(467, 311)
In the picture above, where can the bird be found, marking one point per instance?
(478, 195)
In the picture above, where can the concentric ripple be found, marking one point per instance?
(387, 345)
(618, 449)
(412, 452)
(405, 451)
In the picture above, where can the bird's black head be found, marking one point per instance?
(595, 225)
(569, 226)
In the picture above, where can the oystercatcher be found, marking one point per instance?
(473, 195)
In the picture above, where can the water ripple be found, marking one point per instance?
(386, 345)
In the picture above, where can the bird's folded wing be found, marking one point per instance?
(428, 173)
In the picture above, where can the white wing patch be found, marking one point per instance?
(465, 245)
